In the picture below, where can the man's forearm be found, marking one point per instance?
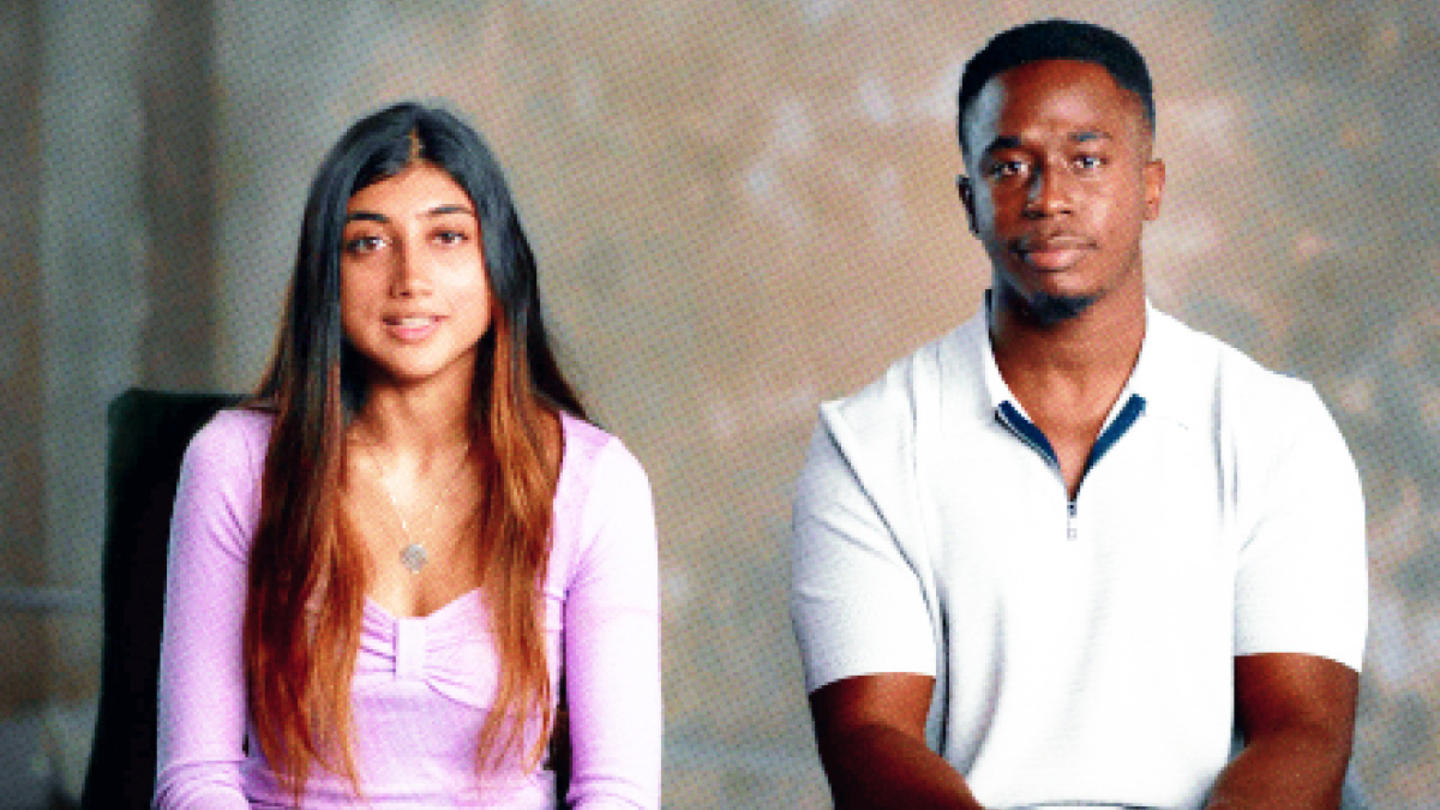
(1299, 768)
(875, 766)
(1297, 713)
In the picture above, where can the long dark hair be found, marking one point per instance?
(307, 583)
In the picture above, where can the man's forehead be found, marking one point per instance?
(1082, 93)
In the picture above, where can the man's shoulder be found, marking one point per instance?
(893, 401)
(1229, 387)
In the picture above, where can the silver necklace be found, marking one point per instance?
(413, 554)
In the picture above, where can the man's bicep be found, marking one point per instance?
(856, 601)
(895, 700)
(1277, 691)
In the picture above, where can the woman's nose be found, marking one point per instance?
(412, 273)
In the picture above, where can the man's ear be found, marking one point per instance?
(967, 199)
(1154, 176)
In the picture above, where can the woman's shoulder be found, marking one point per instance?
(598, 475)
(591, 452)
(581, 435)
(602, 500)
(217, 499)
(235, 440)
(240, 425)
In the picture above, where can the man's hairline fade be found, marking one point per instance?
(1055, 39)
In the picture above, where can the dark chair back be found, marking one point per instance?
(149, 431)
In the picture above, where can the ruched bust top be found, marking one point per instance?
(422, 685)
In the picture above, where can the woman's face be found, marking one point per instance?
(414, 299)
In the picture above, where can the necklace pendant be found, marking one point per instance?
(414, 557)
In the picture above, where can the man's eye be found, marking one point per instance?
(1007, 168)
(1089, 162)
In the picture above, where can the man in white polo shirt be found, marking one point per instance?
(1055, 557)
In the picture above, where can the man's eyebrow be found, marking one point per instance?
(1003, 142)
(1082, 136)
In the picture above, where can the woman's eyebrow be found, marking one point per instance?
(439, 210)
(449, 208)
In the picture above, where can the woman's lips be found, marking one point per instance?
(412, 328)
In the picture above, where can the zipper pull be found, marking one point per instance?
(1071, 530)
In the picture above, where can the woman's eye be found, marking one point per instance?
(450, 237)
(363, 244)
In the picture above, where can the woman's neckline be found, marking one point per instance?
(568, 424)
(375, 604)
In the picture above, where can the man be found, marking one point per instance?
(1055, 557)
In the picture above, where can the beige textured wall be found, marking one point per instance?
(742, 209)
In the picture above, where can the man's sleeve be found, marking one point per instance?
(856, 601)
(1300, 586)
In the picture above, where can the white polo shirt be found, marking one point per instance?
(1082, 650)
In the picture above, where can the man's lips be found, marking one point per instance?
(1052, 251)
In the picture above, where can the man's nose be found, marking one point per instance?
(1049, 193)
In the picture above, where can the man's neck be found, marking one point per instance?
(1068, 374)
(1084, 358)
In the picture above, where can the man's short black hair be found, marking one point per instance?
(1056, 39)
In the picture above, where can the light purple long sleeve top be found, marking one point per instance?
(422, 685)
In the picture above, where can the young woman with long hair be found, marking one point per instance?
(383, 569)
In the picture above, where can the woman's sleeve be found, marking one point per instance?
(202, 688)
(612, 643)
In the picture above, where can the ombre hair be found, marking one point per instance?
(307, 582)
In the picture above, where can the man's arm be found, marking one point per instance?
(1297, 715)
(871, 734)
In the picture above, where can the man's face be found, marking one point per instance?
(1060, 183)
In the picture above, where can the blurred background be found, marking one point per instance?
(740, 209)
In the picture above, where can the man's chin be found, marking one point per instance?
(1045, 301)
(1046, 309)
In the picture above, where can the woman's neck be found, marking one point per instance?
(416, 422)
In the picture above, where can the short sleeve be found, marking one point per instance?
(857, 603)
(612, 642)
(202, 706)
(1300, 584)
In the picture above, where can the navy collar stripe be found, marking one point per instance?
(1011, 417)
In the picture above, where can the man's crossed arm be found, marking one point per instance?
(1296, 712)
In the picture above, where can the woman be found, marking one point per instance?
(380, 569)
